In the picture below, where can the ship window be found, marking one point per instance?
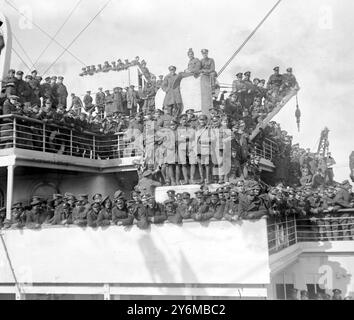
(283, 291)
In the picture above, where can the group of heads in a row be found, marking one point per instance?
(113, 66)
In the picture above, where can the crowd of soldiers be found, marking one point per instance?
(118, 65)
(241, 200)
(304, 295)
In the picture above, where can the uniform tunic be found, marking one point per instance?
(173, 96)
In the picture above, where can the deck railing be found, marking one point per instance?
(31, 134)
(286, 231)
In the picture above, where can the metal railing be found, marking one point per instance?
(267, 150)
(31, 134)
(286, 231)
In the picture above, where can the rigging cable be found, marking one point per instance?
(10, 264)
(23, 61)
(43, 31)
(248, 38)
(22, 48)
(79, 34)
(56, 34)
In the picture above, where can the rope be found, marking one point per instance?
(56, 34)
(10, 264)
(80, 33)
(19, 56)
(248, 38)
(43, 31)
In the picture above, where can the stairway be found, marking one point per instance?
(276, 110)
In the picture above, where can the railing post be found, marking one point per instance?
(14, 133)
(94, 147)
(264, 151)
(44, 129)
(295, 228)
(287, 230)
(71, 142)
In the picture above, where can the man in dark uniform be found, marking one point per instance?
(88, 103)
(289, 81)
(231, 210)
(80, 212)
(208, 67)
(185, 209)
(10, 78)
(76, 104)
(100, 100)
(54, 87)
(32, 216)
(171, 213)
(58, 209)
(61, 92)
(216, 208)
(200, 208)
(274, 83)
(22, 89)
(46, 90)
(173, 96)
(337, 294)
(252, 204)
(155, 212)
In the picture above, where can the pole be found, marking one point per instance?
(10, 189)
(248, 38)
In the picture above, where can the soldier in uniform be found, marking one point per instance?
(118, 100)
(185, 209)
(80, 212)
(58, 210)
(342, 201)
(200, 208)
(149, 94)
(32, 216)
(171, 212)
(154, 212)
(100, 100)
(54, 87)
(76, 104)
(61, 92)
(202, 138)
(9, 79)
(132, 101)
(173, 96)
(18, 217)
(23, 90)
(109, 105)
(92, 214)
(231, 210)
(88, 103)
(216, 208)
(183, 136)
(147, 185)
(208, 67)
(119, 212)
(252, 204)
(337, 294)
(274, 84)
(171, 158)
(289, 82)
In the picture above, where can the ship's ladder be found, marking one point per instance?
(280, 105)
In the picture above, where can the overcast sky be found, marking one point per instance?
(313, 36)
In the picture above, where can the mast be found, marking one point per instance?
(6, 39)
